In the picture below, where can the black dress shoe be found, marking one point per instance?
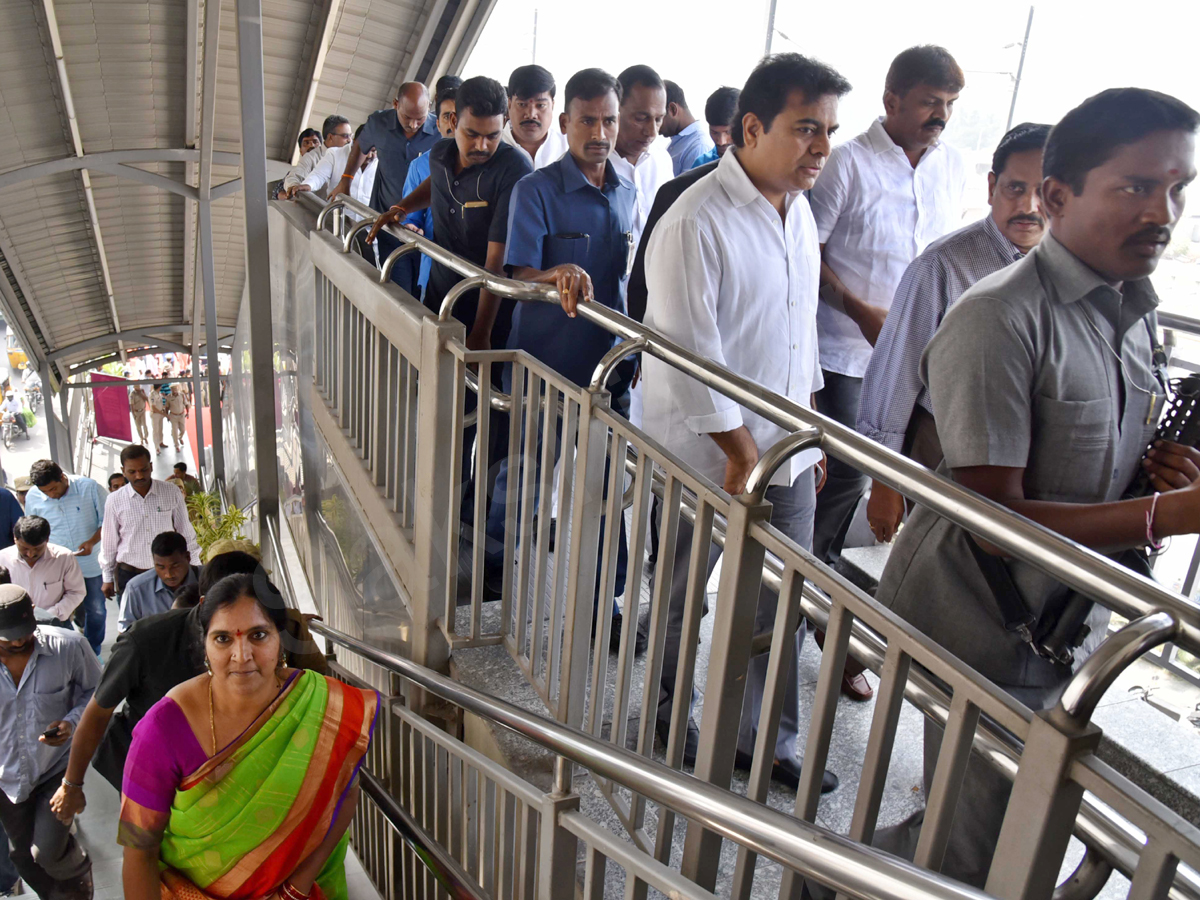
(691, 744)
(787, 772)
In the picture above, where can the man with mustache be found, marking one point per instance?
(570, 225)
(469, 189)
(894, 408)
(531, 126)
(1046, 384)
(733, 269)
(882, 199)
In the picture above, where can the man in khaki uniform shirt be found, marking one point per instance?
(177, 409)
(137, 409)
(158, 415)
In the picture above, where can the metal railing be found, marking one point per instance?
(547, 602)
(849, 867)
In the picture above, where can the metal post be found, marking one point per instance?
(51, 425)
(212, 37)
(436, 476)
(557, 849)
(258, 261)
(733, 631)
(770, 27)
(1020, 68)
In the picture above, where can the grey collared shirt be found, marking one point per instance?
(892, 387)
(1024, 373)
(146, 595)
(56, 685)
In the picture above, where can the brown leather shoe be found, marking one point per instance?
(856, 687)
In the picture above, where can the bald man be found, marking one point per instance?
(399, 135)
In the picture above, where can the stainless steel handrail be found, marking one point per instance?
(830, 858)
(1118, 588)
(445, 868)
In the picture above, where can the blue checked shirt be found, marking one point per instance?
(73, 518)
(933, 281)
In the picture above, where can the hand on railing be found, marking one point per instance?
(395, 215)
(295, 189)
(573, 284)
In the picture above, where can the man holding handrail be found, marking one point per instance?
(732, 273)
(1046, 384)
(471, 180)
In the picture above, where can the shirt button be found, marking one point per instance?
(795, 346)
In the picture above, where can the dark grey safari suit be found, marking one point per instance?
(1020, 376)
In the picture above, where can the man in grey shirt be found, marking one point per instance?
(1046, 389)
(47, 677)
(894, 407)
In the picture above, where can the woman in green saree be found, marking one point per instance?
(240, 784)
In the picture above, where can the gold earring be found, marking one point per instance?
(208, 667)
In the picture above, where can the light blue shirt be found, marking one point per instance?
(57, 684)
(418, 171)
(73, 518)
(688, 146)
(146, 595)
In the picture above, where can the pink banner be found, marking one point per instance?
(112, 409)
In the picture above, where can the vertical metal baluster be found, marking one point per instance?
(562, 560)
(593, 874)
(528, 476)
(509, 603)
(483, 432)
(637, 555)
(456, 451)
(947, 782)
(608, 562)
(782, 657)
(544, 474)
(410, 446)
(888, 703)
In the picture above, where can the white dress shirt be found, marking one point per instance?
(552, 149)
(330, 169)
(132, 522)
(732, 281)
(650, 172)
(54, 583)
(875, 214)
(307, 163)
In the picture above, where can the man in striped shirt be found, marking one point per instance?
(134, 516)
(894, 408)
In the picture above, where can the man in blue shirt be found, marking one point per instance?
(570, 224)
(153, 591)
(719, 111)
(74, 507)
(399, 135)
(688, 141)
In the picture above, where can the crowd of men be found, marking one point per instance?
(70, 548)
(1018, 352)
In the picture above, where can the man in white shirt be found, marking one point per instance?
(333, 165)
(688, 140)
(134, 516)
(336, 132)
(637, 155)
(13, 407)
(733, 270)
(882, 199)
(48, 572)
(531, 126)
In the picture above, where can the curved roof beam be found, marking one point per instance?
(144, 333)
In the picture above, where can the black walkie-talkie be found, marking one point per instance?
(1180, 423)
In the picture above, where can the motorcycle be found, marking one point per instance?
(34, 396)
(9, 430)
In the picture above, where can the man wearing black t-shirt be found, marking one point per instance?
(471, 177)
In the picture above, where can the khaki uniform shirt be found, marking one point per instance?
(1024, 372)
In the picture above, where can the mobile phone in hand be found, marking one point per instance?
(50, 733)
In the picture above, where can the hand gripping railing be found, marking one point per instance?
(1116, 587)
(851, 868)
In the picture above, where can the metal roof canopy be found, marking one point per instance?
(121, 204)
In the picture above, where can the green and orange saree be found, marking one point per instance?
(238, 824)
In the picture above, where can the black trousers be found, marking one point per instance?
(46, 854)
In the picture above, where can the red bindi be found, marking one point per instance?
(238, 633)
